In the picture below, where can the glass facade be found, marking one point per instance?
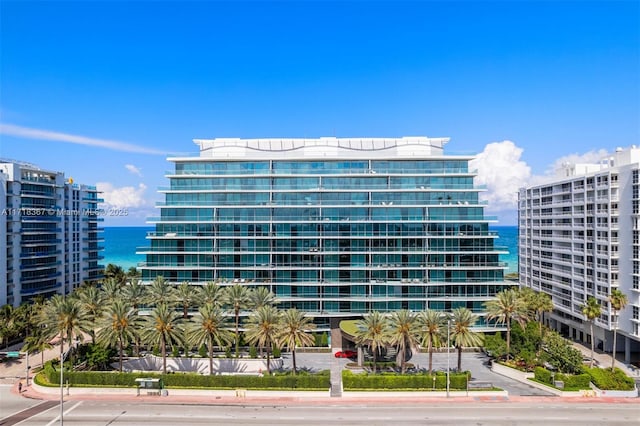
(333, 237)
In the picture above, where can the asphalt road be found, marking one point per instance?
(90, 413)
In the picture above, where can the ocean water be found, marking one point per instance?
(121, 243)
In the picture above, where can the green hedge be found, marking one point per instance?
(606, 379)
(301, 381)
(542, 375)
(571, 381)
(351, 381)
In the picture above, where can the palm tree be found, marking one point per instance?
(93, 302)
(114, 272)
(404, 332)
(261, 296)
(505, 307)
(591, 310)
(462, 335)
(186, 296)
(541, 303)
(210, 293)
(210, 327)
(618, 302)
(294, 332)
(63, 316)
(111, 288)
(373, 331)
(118, 326)
(135, 294)
(9, 323)
(162, 327)
(160, 292)
(263, 327)
(237, 297)
(38, 341)
(433, 327)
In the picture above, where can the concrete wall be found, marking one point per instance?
(201, 365)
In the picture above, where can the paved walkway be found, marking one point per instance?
(279, 399)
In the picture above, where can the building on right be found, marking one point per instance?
(579, 236)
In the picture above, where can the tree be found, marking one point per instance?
(506, 306)
(237, 297)
(404, 332)
(261, 296)
(160, 292)
(263, 327)
(294, 332)
(133, 274)
(38, 341)
(186, 296)
(93, 303)
(461, 334)
(63, 317)
(135, 294)
(433, 327)
(209, 327)
(210, 293)
(373, 331)
(111, 289)
(618, 302)
(536, 303)
(118, 326)
(114, 272)
(9, 323)
(591, 310)
(162, 327)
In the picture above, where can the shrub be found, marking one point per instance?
(202, 351)
(543, 375)
(280, 381)
(253, 352)
(396, 381)
(276, 352)
(606, 379)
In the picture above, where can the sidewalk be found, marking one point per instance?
(230, 397)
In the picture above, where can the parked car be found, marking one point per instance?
(346, 354)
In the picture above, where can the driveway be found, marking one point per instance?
(476, 362)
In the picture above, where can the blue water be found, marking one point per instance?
(121, 244)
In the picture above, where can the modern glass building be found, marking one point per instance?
(51, 239)
(335, 227)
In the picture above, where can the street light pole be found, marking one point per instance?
(61, 379)
(448, 351)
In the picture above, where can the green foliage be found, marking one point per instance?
(253, 352)
(542, 375)
(280, 381)
(175, 351)
(156, 351)
(395, 381)
(525, 339)
(97, 357)
(202, 351)
(227, 352)
(495, 345)
(560, 354)
(610, 380)
(324, 339)
(276, 352)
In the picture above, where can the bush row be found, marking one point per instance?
(603, 378)
(606, 379)
(351, 381)
(279, 381)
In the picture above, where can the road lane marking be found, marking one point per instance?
(65, 413)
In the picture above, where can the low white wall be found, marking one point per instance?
(200, 365)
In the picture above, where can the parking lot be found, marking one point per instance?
(476, 362)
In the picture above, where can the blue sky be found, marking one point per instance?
(103, 90)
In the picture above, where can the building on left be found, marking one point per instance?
(51, 234)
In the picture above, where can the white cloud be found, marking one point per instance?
(48, 135)
(503, 172)
(125, 197)
(133, 169)
(591, 157)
